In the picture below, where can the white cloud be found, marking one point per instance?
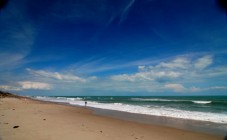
(203, 62)
(214, 72)
(164, 70)
(170, 75)
(97, 65)
(163, 76)
(9, 88)
(92, 78)
(123, 77)
(147, 74)
(34, 85)
(141, 68)
(24, 85)
(132, 78)
(56, 75)
(195, 89)
(182, 70)
(218, 87)
(178, 63)
(150, 73)
(175, 87)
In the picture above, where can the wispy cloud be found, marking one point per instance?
(26, 85)
(9, 88)
(163, 70)
(178, 63)
(182, 89)
(126, 10)
(34, 85)
(96, 11)
(175, 87)
(10, 60)
(16, 37)
(96, 65)
(178, 74)
(203, 62)
(56, 75)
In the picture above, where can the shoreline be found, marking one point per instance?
(163, 107)
(178, 123)
(74, 118)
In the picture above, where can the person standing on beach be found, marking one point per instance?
(85, 103)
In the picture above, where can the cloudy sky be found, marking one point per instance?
(113, 47)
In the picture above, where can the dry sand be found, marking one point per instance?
(36, 120)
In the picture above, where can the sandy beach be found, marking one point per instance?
(25, 119)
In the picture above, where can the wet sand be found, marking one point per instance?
(185, 124)
(25, 119)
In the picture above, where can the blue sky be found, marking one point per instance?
(113, 47)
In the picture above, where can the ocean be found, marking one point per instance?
(200, 108)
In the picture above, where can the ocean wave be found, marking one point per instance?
(167, 112)
(61, 98)
(40, 97)
(157, 111)
(117, 103)
(202, 102)
(168, 100)
(74, 99)
(156, 100)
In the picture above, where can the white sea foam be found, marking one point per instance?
(61, 98)
(117, 103)
(202, 102)
(157, 111)
(156, 99)
(74, 99)
(167, 112)
(166, 100)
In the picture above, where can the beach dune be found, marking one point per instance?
(26, 119)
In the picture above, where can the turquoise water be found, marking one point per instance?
(214, 104)
(202, 108)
